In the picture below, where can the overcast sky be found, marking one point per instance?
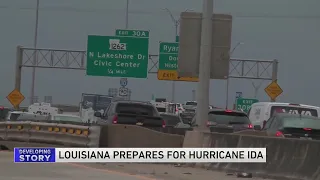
(287, 30)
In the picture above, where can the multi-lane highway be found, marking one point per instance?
(112, 171)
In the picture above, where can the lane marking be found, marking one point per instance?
(112, 171)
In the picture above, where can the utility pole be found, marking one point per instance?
(204, 65)
(227, 93)
(176, 23)
(35, 54)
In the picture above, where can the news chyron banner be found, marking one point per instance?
(140, 155)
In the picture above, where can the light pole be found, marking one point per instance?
(127, 14)
(127, 22)
(204, 66)
(35, 54)
(176, 23)
(231, 52)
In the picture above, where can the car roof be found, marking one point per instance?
(17, 112)
(286, 104)
(223, 110)
(283, 115)
(133, 102)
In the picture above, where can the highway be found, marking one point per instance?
(15, 171)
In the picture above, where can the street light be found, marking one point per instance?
(127, 14)
(176, 23)
(231, 52)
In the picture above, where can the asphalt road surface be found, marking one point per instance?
(112, 171)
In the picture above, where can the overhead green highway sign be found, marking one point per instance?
(117, 56)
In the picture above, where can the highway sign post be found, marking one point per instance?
(117, 56)
(273, 90)
(244, 104)
(15, 98)
(168, 62)
(190, 42)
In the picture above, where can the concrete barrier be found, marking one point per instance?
(251, 133)
(286, 158)
(76, 135)
(171, 130)
(136, 136)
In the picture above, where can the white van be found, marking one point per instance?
(43, 109)
(260, 112)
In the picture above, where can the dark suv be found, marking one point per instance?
(227, 121)
(287, 125)
(131, 112)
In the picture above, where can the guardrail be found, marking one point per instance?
(70, 134)
(50, 133)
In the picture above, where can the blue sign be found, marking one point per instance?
(34, 155)
(238, 95)
(123, 82)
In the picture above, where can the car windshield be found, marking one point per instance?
(294, 110)
(136, 108)
(189, 106)
(221, 117)
(191, 103)
(102, 102)
(161, 109)
(295, 122)
(67, 118)
(14, 116)
(171, 120)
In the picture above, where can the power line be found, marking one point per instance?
(108, 11)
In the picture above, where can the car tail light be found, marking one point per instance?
(1, 108)
(250, 126)
(228, 111)
(177, 109)
(163, 123)
(307, 129)
(279, 134)
(115, 119)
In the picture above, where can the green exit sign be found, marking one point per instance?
(132, 33)
(244, 104)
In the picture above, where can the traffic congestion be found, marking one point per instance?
(277, 119)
